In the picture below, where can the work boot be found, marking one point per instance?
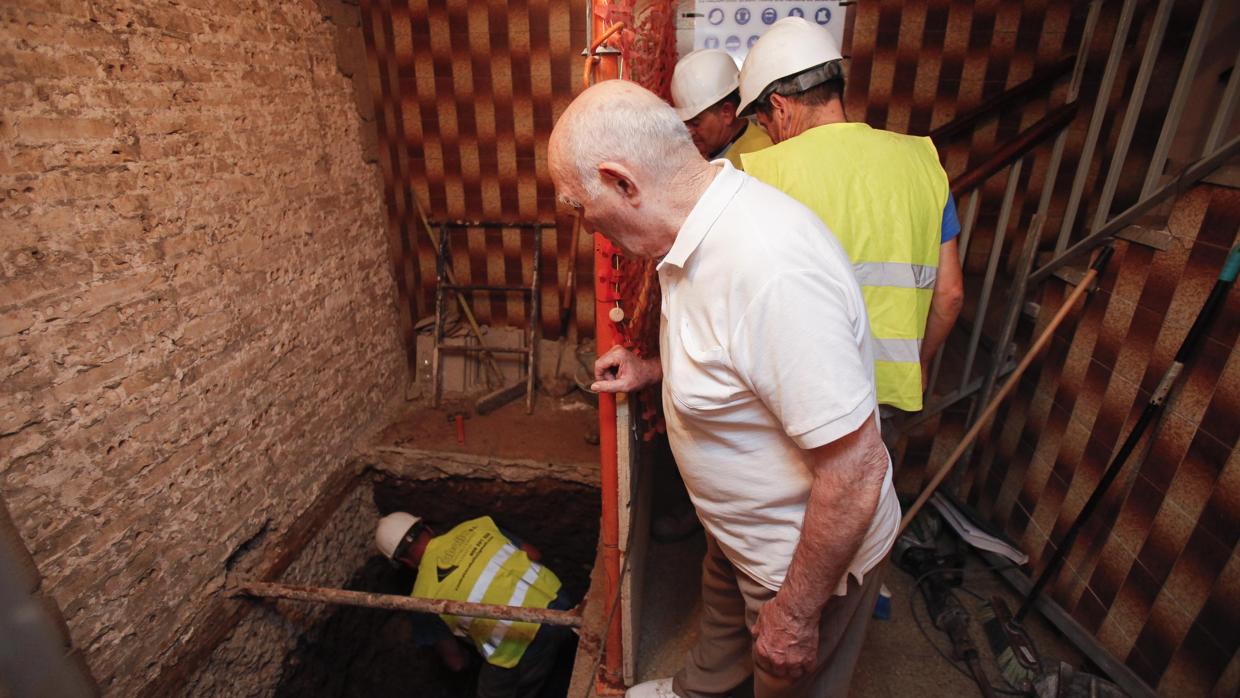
(659, 688)
(673, 527)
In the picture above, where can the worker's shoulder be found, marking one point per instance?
(763, 226)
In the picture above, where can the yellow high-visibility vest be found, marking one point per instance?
(474, 562)
(882, 194)
(752, 140)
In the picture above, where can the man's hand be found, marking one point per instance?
(622, 371)
(785, 644)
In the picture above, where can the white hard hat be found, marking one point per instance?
(391, 529)
(701, 79)
(792, 45)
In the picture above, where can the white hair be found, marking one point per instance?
(625, 123)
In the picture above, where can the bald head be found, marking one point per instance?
(618, 121)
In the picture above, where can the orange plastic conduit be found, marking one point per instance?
(610, 680)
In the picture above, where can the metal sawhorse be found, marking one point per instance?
(446, 282)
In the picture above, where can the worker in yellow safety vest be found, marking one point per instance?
(883, 194)
(479, 563)
(705, 94)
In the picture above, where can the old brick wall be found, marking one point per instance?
(196, 310)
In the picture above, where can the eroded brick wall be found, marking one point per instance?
(196, 310)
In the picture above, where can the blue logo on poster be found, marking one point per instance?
(769, 15)
(733, 43)
(752, 40)
(742, 15)
(710, 42)
(796, 12)
(822, 15)
(715, 16)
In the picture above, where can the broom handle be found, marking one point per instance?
(1008, 386)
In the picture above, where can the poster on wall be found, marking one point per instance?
(735, 25)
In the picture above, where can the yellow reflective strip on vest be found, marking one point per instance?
(897, 274)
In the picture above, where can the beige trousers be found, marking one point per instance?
(723, 656)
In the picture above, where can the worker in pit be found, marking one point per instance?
(766, 363)
(479, 563)
(704, 93)
(883, 194)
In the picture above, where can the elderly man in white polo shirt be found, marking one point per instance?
(768, 393)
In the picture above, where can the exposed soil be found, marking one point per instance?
(358, 652)
(561, 430)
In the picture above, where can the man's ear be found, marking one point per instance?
(619, 178)
(727, 112)
(778, 102)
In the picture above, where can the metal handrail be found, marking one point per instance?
(992, 106)
(1016, 148)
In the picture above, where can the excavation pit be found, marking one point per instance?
(371, 652)
(295, 648)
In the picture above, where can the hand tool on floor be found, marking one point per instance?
(1095, 269)
(1188, 349)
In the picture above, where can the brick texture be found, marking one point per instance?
(197, 312)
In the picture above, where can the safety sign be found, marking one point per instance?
(735, 25)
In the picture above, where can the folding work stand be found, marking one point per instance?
(445, 283)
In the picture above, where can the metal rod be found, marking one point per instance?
(1188, 349)
(1036, 82)
(970, 218)
(440, 317)
(1132, 113)
(392, 602)
(535, 324)
(1189, 176)
(992, 268)
(1011, 317)
(498, 288)
(1095, 124)
(1041, 342)
(1016, 148)
(459, 224)
(1226, 108)
(476, 348)
(951, 399)
(1082, 51)
(1192, 58)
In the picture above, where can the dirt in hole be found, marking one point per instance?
(357, 652)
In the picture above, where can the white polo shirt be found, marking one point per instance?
(766, 352)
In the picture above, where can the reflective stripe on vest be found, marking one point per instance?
(882, 195)
(475, 562)
(896, 274)
(898, 350)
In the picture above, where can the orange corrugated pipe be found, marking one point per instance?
(607, 67)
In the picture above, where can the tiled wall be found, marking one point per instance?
(465, 96)
(1155, 575)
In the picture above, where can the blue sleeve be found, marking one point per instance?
(951, 222)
